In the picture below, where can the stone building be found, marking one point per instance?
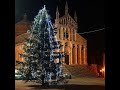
(74, 45)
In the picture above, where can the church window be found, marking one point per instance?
(66, 35)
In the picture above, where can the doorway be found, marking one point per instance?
(67, 59)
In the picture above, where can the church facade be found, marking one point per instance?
(74, 45)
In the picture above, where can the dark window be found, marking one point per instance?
(66, 35)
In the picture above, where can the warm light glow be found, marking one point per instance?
(103, 71)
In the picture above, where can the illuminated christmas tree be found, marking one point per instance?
(43, 59)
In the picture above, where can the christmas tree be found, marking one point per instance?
(43, 59)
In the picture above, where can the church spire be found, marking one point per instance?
(66, 8)
(75, 16)
(57, 13)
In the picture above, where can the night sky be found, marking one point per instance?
(90, 15)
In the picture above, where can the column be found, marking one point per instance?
(84, 55)
(75, 54)
(68, 33)
(73, 47)
(71, 54)
(80, 54)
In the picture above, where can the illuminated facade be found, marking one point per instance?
(74, 45)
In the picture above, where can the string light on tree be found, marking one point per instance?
(43, 59)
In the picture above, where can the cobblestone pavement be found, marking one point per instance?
(78, 84)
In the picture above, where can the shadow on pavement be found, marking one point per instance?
(69, 87)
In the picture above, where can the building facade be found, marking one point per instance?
(74, 45)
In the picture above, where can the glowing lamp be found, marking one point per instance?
(103, 69)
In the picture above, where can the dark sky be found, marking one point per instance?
(90, 15)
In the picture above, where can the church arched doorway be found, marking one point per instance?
(67, 52)
(67, 59)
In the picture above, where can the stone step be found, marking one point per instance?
(78, 71)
